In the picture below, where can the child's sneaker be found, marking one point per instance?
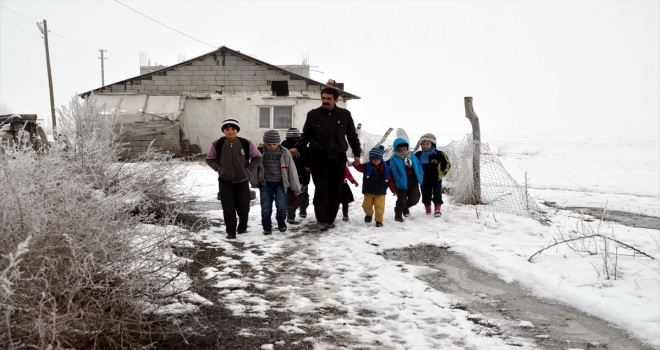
(281, 226)
(303, 213)
(345, 218)
(290, 219)
(367, 218)
(379, 224)
(428, 209)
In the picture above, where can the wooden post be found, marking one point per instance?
(44, 31)
(476, 148)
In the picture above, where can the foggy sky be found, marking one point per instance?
(530, 66)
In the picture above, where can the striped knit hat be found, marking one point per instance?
(292, 133)
(271, 136)
(377, 152)
(427, 138)
(231, 122)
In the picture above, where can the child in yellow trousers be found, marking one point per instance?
(375, 182)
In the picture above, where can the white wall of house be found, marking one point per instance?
(203, 117)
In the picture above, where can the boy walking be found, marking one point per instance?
(408, 174)
(234, 161)
(274, 177)
(436, 165)
(375, 182)
(301, 160)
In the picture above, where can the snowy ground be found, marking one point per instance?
(377, 303)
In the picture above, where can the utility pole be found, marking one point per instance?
(44, 31)
(102, 74)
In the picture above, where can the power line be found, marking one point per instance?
(39, 36)
(32, 21)
(164, 25)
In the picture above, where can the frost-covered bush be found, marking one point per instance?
(85, 260)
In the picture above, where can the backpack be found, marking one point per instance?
(244, 142)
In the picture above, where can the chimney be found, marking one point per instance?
(331, 82)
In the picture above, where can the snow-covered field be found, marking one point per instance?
(619, 171)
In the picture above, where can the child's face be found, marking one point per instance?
(375, 161)
(426, 145)
(272, 146)
(402, 148)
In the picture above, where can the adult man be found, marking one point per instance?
(234, 162)
(326, 130)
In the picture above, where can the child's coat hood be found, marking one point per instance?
(399, 141)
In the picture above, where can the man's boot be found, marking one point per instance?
(398, 215)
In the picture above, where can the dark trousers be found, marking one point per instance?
(328, 179)
(235, 199)
(407, 198)
(432, 193)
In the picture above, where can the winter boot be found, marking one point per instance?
(322, 226)
(303, 213)
(437, 211)
(367, 218)
(345, 218)
(398, 215)
(406, 212)
(281, 226)
(268, 232)
(428, 209)
(291, 219)
(231, 236)
(379, 224)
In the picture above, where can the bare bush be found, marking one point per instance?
(86, 261)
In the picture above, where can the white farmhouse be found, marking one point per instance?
(180, 107)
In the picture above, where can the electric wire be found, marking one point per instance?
(164, 25)
(39, 36)
(50, 31)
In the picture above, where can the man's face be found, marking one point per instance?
(272, 146)
(230, 133)
(426, 145)
(402, 148)
(375, 161)
(328, 101)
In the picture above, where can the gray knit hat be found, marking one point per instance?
(428, 137)
(272, 136)
(292, 133)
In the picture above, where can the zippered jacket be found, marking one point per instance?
(399, 169)
(289, 173)
(327, 132)
(437, 167)
(232, 165)
(376, 182)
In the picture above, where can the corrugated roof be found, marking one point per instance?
(222, 49)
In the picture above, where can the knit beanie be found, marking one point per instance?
(271, 136)
(230, 122)
(292, 133)
(428, 137)
(377, 152)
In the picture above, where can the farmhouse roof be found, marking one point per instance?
(221, 50)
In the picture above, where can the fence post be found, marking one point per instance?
(476, 149)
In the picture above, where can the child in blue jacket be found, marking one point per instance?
(408, 174)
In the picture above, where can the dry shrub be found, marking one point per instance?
(84, 261)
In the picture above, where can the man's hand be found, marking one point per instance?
(296, 194)
(356, 161)
(293, 151)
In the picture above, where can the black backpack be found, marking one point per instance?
(244, 142)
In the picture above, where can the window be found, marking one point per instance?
(276, 117)
(280, 88)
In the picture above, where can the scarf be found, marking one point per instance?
(407, 162)
(386, 170)
(425, 155)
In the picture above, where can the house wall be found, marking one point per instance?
(221, 86)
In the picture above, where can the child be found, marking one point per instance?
(346, 193)
(274, 176)
(375, 182)
(234, 162)
(408, 174)
(301, 159)
(435, 165)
